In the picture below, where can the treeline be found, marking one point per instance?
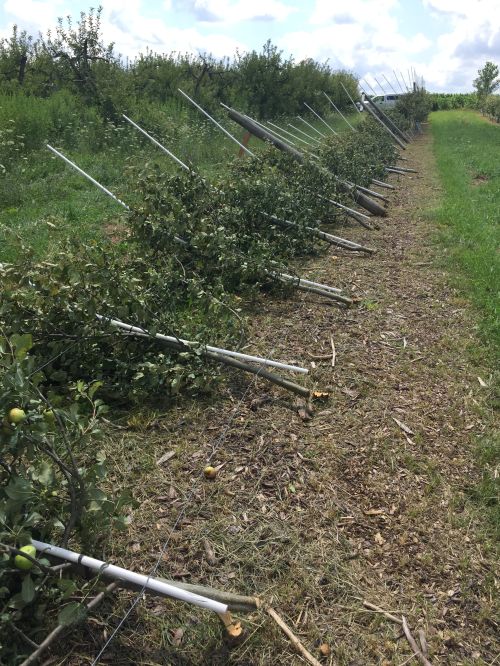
(76, 58)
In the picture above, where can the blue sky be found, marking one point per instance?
(445, 41)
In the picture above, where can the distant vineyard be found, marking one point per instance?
(447, 101)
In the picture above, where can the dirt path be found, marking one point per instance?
(363, 501)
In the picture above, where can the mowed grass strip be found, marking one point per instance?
(467, 149)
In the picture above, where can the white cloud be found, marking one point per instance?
(360, 11)
(233, 11)
(125, 25)
(132, 33)
(365, 36)
(472, 38)
(34, 15)
(360, 35)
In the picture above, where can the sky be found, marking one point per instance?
(443, 41)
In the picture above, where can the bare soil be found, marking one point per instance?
(366, 500)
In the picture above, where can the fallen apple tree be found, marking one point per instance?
(218, 601)
(265, 135)
(300, 283)
(225, 356)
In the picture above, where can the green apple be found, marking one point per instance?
(49, 417)
(22, 562)
(16, 415)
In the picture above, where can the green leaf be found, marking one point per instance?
(67, 586)
(22, 344)
(19, 489)
(72, 613)
(44, 474)
(93, 388)
(27, 589)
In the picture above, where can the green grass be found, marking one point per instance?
(467, 148)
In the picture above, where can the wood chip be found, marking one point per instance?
(334, 353)
(325, 649)
(177, 636)
(209, 552)
(403, 426)
(165, 457)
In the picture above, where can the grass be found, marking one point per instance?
(467, 151)
(467, 146)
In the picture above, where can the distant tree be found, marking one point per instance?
(15, 53)
(487, 82)
(262, 78)
(77, 50)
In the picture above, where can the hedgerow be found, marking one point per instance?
(410, 109)
(447, 101)
(193, 246)
(58, 304)
(492, 107)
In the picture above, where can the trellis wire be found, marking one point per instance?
(320, 118)
(338, 111)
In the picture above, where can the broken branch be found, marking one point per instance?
(295, 641)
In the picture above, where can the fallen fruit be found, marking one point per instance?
(210, 472)
(16, 415)
(23, 562)
(325, 649)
